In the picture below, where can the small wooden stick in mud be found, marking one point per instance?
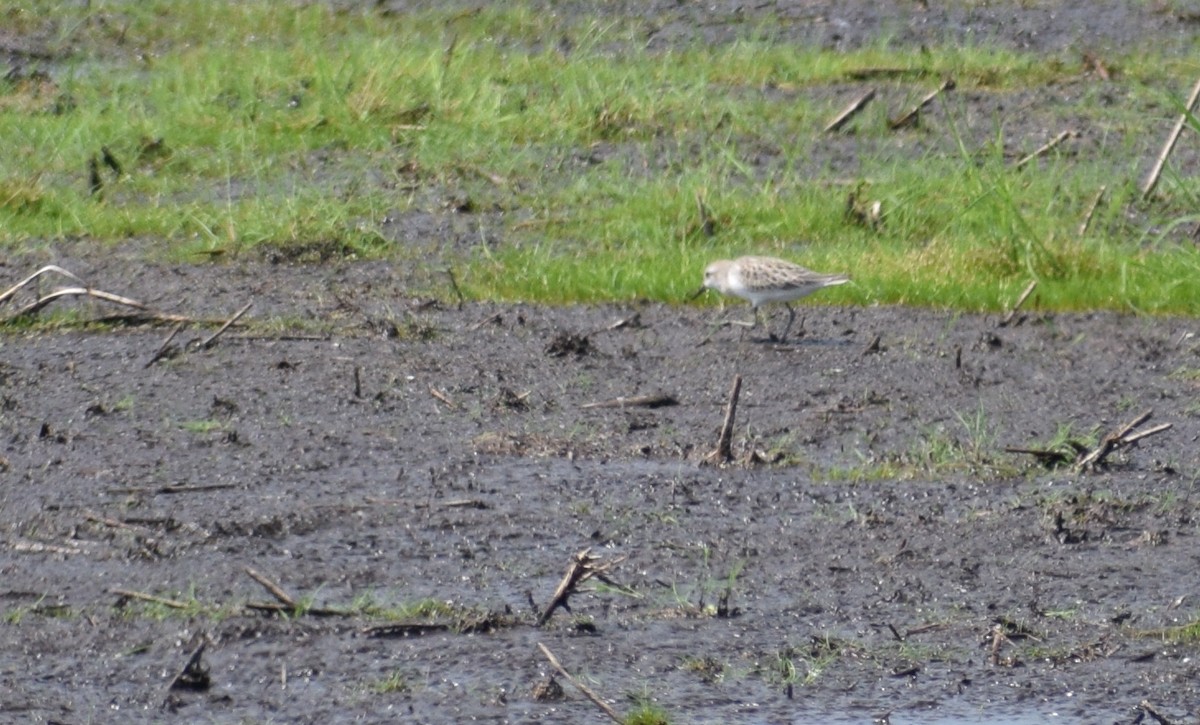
(652, 400)
(442, 397)
(724, 450)
(1169, 146)
(1020, 301)
(130, 594)
(1153, 712)
(163, 349)
(1045, 148)
(583, 566)
(587, 691)
(495, 318)
(208, 342)
(873, 346)
(850, 111)
(1121, 438)
(911, 117)
(275, 590)
(194, 675)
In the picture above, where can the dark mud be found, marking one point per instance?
(479, 495)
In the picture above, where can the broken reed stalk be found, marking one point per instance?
(1020, 301)
(1121, 438)
(82, 291)
(1087, 218)
(275, 590)
(442, 397)
(1046, 147)
(850, 111)
(162, 349)
(1153, 712)
(911, 116)
(724, 450)
(208, 342)
(194, 675)
(583, 566)
(130, 594)
(587, 691)
(44, 270)
(1169, 146)
(651, 400)
(41, 302)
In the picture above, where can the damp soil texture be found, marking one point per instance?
(419, 484)
(363, 512)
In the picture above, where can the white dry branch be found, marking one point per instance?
(81, 290)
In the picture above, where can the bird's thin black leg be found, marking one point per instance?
(791, 319)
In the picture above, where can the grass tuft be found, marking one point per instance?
(582, 165)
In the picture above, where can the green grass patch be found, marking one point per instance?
(394, 683)
(589, 167)
(201, 426)
(1188, 633)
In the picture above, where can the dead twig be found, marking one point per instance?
(911, 117)
(164, 349)
(82, 291)
(1047, 457)
(130, 594)
(1046, 147)
(174, 488)
(1020, 301)
(633, 322)
(287, 605)
(587, 691)
(275, 608)
(211, 339)
(496, 318)
(46, 299)
(1087, 218)
(1120, 439)
(873, 346)
(652, 400)
(44, 270)
(1154, 713)
(406, 629)
(275, 590)
(723, 453)
(111, 523)
(850, 111)
(442, 397)
(1169, 145)
(583, 566)
(194, 675)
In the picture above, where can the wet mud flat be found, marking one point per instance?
(872, 550)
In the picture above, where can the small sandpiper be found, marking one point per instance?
(766, 279)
